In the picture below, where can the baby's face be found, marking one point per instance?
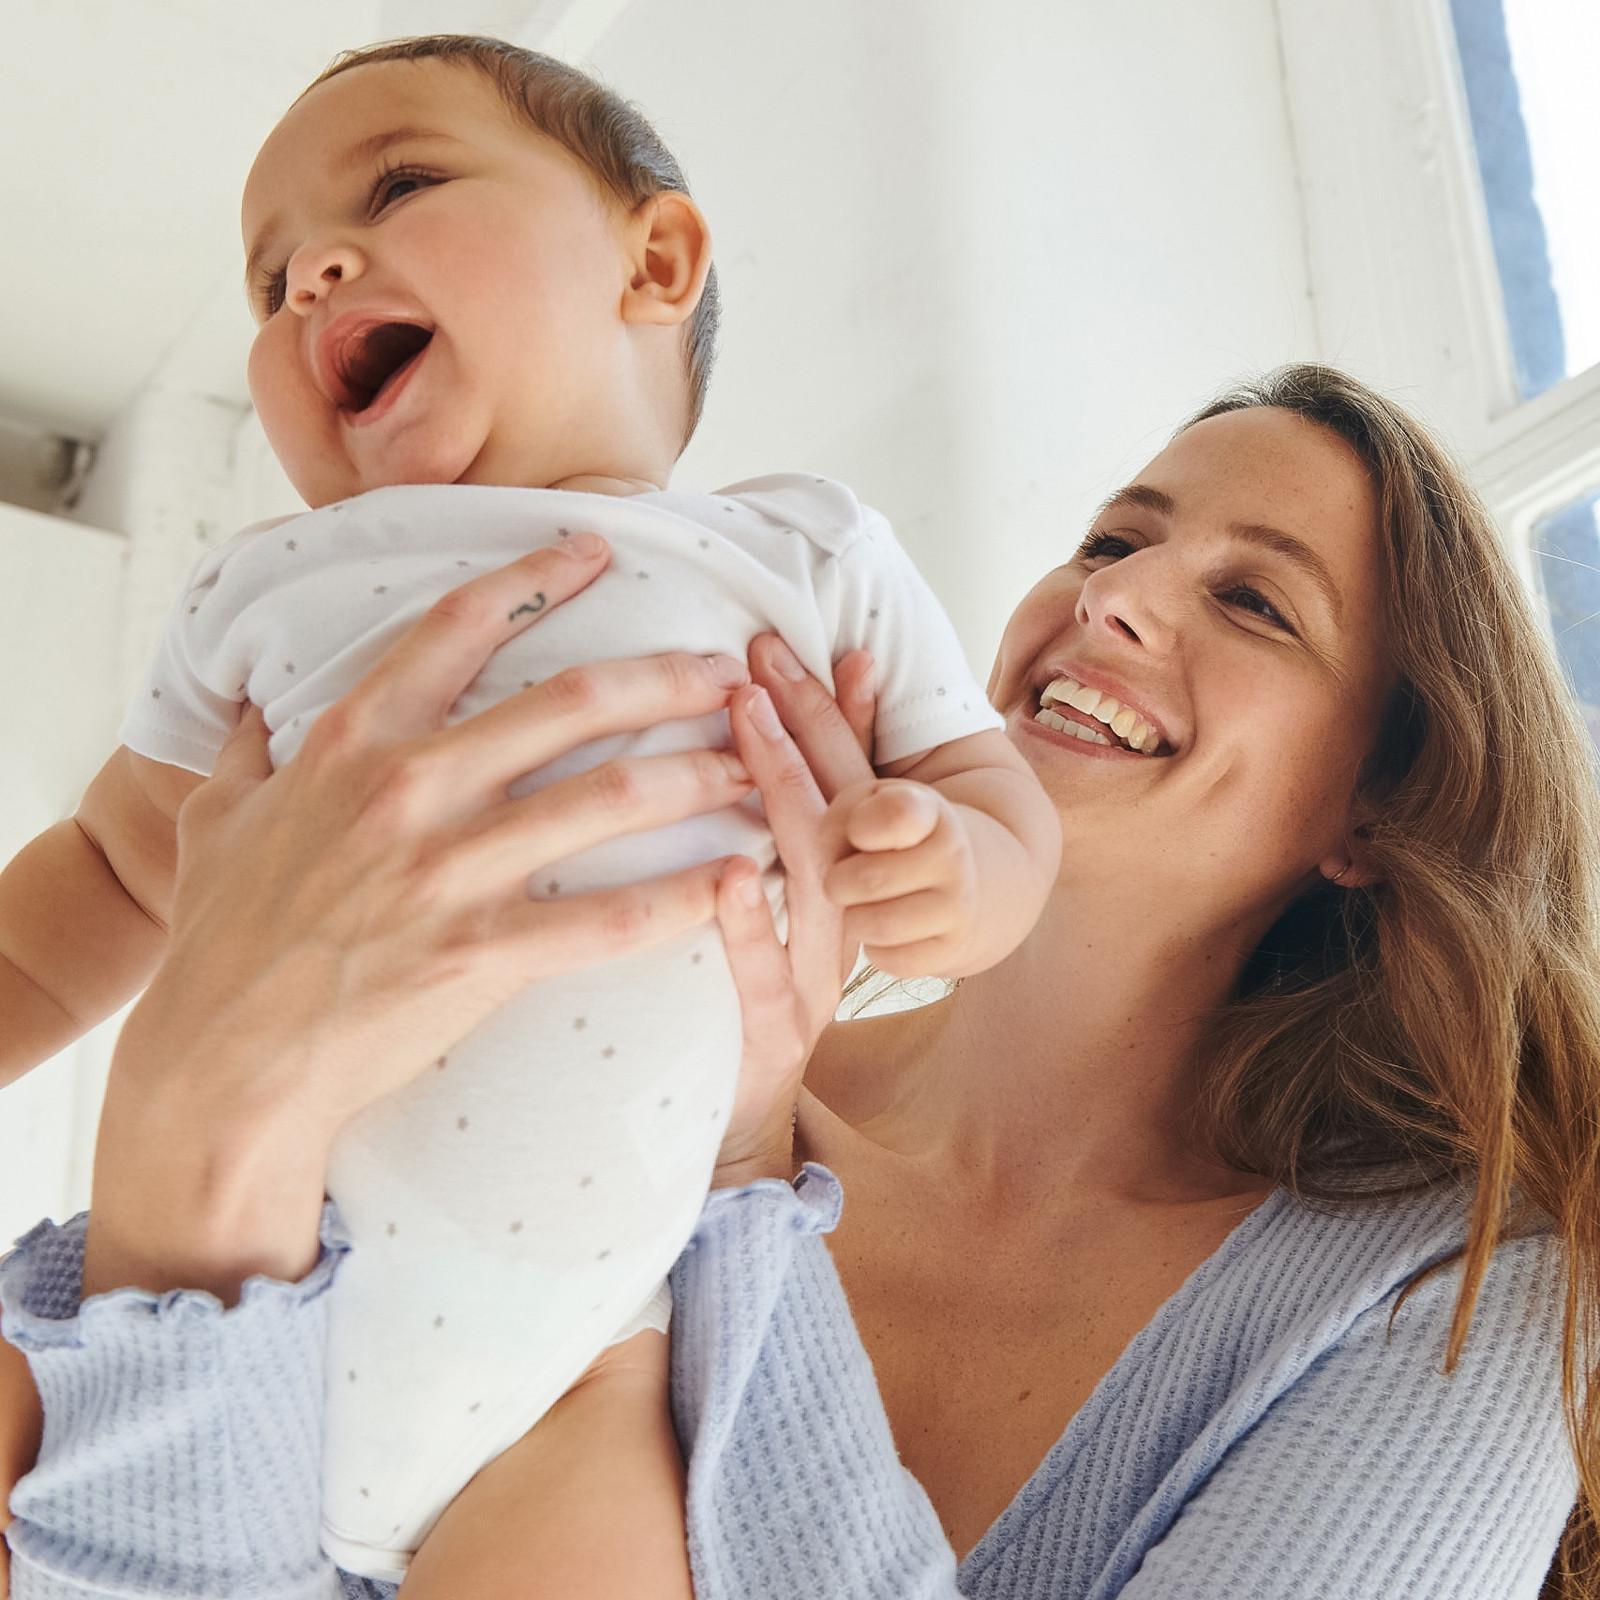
(404, 194)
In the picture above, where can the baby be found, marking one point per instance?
(485, 310)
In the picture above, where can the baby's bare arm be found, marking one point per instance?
(588, 1505)
(83, 910)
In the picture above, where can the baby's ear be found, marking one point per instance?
(670, 251)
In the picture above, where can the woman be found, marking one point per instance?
(1159, 1237)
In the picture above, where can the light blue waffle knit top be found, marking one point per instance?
(1270, 1433)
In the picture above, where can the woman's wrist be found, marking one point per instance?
(769, 1157)
(196, 1187)
(737, 1174)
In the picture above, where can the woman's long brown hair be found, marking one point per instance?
(1444, 1023)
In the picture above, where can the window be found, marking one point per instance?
(1528, 69)
(1447, 153)
(1566, 552)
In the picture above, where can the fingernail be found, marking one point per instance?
(785, 662)
(730, 673)
(736, 768)
(582, 546)
(750, 889)
(764, 716)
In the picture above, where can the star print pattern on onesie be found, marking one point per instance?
(516, 1209)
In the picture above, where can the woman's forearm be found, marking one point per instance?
(21, 1428)
(179, 1456)
(768, 1367)
(195, 1191)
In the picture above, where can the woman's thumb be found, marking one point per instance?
(245, 753)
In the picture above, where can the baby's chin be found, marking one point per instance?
(398, 467)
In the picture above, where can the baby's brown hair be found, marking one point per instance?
(603, 131)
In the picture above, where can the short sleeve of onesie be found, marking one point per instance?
(196, 683)
(874, 599)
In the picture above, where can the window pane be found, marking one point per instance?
(1566, 548)
(1531, 69)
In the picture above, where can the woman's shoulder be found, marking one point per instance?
(1314, 1266)
(1300, 1388)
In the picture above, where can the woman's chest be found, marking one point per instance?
(984, 1349)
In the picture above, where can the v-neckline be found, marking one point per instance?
(1083, 1423)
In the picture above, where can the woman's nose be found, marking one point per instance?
(1127, 604)
(315, 268)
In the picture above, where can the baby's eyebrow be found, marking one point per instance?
(358, 154)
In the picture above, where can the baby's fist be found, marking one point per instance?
(894, 814)
(905, 875)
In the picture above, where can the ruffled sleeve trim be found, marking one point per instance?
(811, 1204)
(41, 1286)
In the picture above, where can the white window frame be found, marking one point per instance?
(1405, 289)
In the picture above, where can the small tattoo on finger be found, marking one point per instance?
(530, 608)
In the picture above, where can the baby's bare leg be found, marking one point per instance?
(587, 1505)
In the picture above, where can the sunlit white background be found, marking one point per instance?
(977, 261)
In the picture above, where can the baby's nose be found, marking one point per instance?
(315, 269)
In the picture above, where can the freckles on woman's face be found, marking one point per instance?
(1232, 596)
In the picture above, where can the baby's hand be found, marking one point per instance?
(906, 875)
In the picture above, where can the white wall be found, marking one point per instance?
(976, 262)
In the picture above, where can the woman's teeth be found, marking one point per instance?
(1132, 731)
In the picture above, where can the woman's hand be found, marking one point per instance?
(789, 993)
(342, 922)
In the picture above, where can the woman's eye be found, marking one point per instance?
(1111, 544)
(1268, 611)
(1097, 545)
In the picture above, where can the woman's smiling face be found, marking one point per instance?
(1232, 595)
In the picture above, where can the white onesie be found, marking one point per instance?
(516, 1207)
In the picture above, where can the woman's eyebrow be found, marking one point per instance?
(362, 151)
(1145, 498)
(1297, 551)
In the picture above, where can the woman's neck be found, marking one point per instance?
(1066, 1069)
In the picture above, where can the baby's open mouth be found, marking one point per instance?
(370, 358)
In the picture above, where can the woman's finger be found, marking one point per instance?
(789, 793)
(539, 938)
(640, 792)
(775, 1034)
(796, 813)
(831, 746)
(244, 753)
(241, 765)
(412, 688)
(485, 752)
(854, 687)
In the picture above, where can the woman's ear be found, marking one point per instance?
(670, 248)
(1349, 866)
